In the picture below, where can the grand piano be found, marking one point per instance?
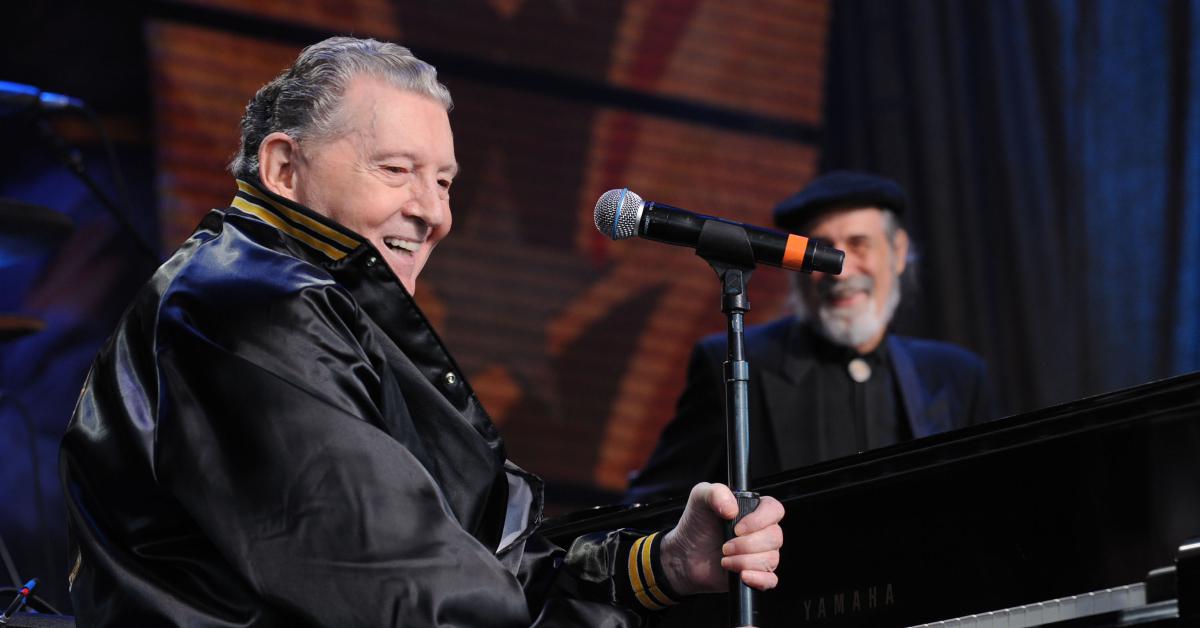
(1057, 515)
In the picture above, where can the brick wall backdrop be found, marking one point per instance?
(575, 344)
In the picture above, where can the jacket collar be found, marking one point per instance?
(784, 376)
(301, 223)
(784, 372)
(912, 390)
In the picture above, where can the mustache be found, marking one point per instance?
(830, 288)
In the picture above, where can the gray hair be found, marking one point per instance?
(303, 101)
(891, 225)
(908, 280)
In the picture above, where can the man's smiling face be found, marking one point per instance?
(854, 308)
(386, 174)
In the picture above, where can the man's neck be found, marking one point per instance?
(872, 344)
(860, 349)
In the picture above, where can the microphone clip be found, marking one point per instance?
(726, 247)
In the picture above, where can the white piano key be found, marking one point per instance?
(1037, 613)
(1060, 609)
(1087, 604)
(1057, 608)
(1019, 618)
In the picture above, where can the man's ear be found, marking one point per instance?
(278, 156)
(900, 248)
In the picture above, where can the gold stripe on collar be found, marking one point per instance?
(306, 221)
(282, 225)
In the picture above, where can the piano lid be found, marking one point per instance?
(1074, 498)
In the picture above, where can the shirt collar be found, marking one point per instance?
(296, 220)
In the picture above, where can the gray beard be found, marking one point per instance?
(851, 329)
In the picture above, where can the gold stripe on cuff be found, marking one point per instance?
(635, 580)
(648, 571)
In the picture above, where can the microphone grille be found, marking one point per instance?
(618, 213)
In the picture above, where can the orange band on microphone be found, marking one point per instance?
(793, 252)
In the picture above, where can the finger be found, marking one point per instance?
(720, 499)
(762, 561)
(766, 540)
(768, 513)
(760, 580)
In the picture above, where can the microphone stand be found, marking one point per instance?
(73, 161)
(726, 248)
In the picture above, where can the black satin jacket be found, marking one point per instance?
(274, 436)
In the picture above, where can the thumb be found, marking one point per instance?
(721, 501)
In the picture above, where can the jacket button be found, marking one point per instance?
(371, 261)
(451, 379)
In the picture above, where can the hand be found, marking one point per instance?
(696, 556)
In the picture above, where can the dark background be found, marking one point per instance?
(1050, 150)
(1053, 150)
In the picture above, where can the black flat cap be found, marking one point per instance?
(836, 189)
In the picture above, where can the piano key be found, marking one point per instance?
(1049, 611)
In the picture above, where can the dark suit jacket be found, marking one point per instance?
(941, 386)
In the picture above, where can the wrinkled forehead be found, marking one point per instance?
(383, 120)
(846, 221)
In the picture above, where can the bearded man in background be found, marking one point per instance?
(829, 380)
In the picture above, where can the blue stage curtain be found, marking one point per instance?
(1051, 151)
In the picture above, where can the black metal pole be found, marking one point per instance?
(737, 380)
(726, 248)
(737, 419)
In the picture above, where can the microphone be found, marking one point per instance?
(16, 96)
(623, 214)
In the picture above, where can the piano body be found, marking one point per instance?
(1077, 501)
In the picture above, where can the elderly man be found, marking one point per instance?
(830, 380)
(274, 436)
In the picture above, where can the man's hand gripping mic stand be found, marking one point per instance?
(727, 249)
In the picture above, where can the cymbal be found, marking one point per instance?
(27, 229)
(13, 326)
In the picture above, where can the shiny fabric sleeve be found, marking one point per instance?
(606, 579)
(268, 437)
